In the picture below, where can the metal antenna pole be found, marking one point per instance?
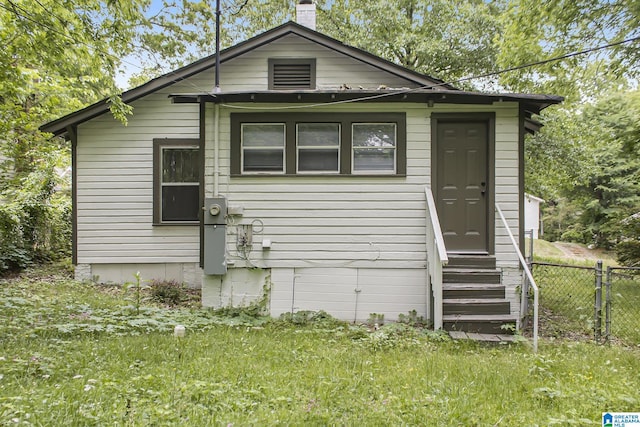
(217, 88)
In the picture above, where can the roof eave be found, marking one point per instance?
(533, 104)
(59, 126)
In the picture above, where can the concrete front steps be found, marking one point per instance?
(474, 297)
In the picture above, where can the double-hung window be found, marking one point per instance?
(176, 181)
(263, 147)
(318, 147)
(318, 144)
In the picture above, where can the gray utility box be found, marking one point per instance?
(215, 236)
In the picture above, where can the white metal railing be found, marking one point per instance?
(436, 258)
(528, 276)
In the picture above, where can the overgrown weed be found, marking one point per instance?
(72, 355)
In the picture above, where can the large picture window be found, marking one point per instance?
(318, 144)
(176, 181)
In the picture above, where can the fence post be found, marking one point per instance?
(607, 329)
(524, 300)
(598, 303)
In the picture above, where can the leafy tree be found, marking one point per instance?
(59, 56)
(448, 40)
(536, 30)
(603, 190)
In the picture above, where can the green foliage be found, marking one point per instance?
(590, 195)
(437, 37)
(35, 219)
(137, 287)
(628, 252)
(375, 320)
(536, 30)
(412, 319)
(307, 317)
(168, 292)
(73, 355)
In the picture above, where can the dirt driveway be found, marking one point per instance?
(573, 250)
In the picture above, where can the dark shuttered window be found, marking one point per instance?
(176, 181)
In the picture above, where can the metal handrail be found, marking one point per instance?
(529, 276)
(436, 257)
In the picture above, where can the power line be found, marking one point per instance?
(377, 96)
(546, 61)
(479, 76)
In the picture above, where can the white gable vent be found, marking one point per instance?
(288, 74)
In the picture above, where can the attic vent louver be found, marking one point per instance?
(288, 74)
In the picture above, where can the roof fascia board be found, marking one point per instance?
(59, 126)
(532, 104)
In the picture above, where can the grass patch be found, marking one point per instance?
(567, 297)
(544, 250)
(625, 307)
(567, 294)
(250, 371)
(574, 253)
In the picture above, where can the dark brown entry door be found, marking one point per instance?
(461, 185)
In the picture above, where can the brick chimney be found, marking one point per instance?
(306, 13)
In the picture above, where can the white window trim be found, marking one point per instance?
(395, 151)
(283, 149)
(318, 147)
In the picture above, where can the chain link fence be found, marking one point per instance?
(567, 298)
(622, 304)
(581, 301)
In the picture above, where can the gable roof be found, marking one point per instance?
(59, 126)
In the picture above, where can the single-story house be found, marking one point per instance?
(532, 223)
(316, 174)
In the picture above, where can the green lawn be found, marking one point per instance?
(567, 292)
(568, 295)
(625, 308)
(73, 354)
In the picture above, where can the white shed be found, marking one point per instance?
(532, 215)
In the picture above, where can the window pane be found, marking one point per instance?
(318, 160)
(263, 160)
(373, 159)
(180, 165)
(263, 135)
(180, 202)
(318, 134)
(374, 135)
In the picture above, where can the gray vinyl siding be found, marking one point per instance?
(250, 71)
(379, 222)
(115, 170)
(115, 186)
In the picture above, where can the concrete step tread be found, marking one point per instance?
(460, 335)
(474, 301)
(469, 256)
(470, 270)
(471, 286)
(478, 317)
